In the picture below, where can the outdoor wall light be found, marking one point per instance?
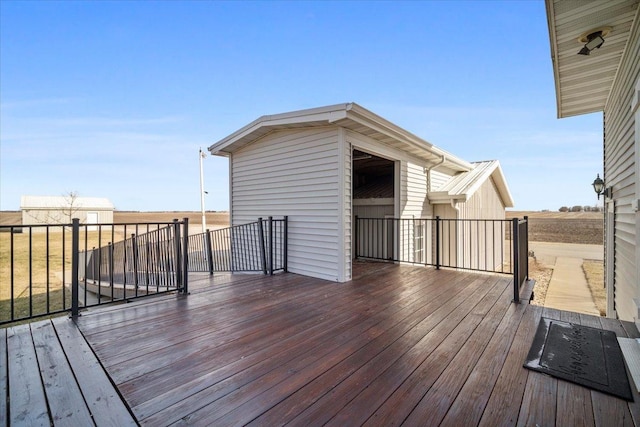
(599, 188)
(593, 40)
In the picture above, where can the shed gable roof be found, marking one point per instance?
(60, 202)
(463, 185)
(350, 116)
(584, 82)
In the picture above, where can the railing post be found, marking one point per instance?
(270, 246)
(134, 251)
(285, 244)
(207, 240)
(526, 239)
(515, 261)
(185, 257)
(437, 243)
(75, 244)
(356, 237)
(177, 262)
(263, 256)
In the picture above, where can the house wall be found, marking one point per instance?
(297, 173)
(620, 169)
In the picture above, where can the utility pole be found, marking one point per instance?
(202, 193)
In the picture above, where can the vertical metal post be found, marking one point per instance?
(134, 252)
(285, 244)
(270, 246)
(185, 257)
(526, 239)
(177, 257)
(75, 261)
(437, 243)
(356, 236)
(515, 261)
(263, 256)
(207, 240)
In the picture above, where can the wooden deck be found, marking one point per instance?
(397, 345)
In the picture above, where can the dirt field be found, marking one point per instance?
(564, 227)
(560, 227)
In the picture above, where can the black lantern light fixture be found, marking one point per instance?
(599, 187)
(593, 40)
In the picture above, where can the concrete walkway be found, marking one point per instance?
(568, 289)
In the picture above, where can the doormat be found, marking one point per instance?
(587, 356)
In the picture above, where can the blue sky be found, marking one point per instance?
(114, 99)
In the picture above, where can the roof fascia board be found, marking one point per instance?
(329, 114)
(385, 127)
(551, 24)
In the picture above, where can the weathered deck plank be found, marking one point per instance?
(28, 404)
(103, 401)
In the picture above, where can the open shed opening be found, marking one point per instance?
(373, 178)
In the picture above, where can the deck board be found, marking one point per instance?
(28, 404)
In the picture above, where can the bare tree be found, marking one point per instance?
(71, 205)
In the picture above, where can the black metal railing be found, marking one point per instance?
(490, 245)
(259, 246)
(51, 269)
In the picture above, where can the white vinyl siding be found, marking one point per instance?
(620, 159)
(294, 173)
(438, 179)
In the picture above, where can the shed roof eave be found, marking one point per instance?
(346, 115)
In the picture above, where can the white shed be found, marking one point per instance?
(321, 167)
(62, 209)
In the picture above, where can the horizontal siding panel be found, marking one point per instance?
(293, 173)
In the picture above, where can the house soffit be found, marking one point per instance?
(583, 82)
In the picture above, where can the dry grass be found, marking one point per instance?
(36, 273)
(594, 273)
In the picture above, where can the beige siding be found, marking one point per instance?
(620, 158)
(59, 216)
(469, 244)
(485, 203)
(294, 173)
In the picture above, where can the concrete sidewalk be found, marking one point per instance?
(568, 289)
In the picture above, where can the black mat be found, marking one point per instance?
(587, 356)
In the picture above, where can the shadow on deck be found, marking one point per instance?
(396, 345)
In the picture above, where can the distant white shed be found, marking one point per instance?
(62, 209)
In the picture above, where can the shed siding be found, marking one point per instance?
(294, 173)
(485, 203)
(59, 216)
(620, 159)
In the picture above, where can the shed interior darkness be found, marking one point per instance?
(372, 176)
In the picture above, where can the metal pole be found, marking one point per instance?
(202, 193)
(437, 243)
(515, 261)
(75, 235)
(185, 257)
(209, 250)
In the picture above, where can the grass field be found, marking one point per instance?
(564, 227)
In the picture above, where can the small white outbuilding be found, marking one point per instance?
(62, 209)
(324, 166)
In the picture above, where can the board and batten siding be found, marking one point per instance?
(469, 243)
(296, 173)
(620, 160)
